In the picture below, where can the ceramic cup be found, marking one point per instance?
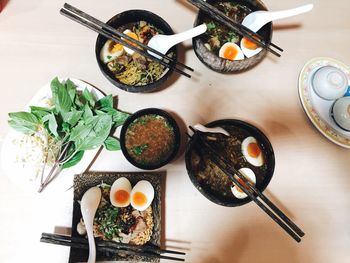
(330, 83)
(341, 113)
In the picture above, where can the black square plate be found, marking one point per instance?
(82, 182)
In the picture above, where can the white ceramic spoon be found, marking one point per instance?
(202, 128)
(256, 20)
(163, 43)
(89, 204)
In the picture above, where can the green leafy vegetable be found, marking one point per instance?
(88, 97)
(211, 25)
(106, 102)
(24, 122)
(138, 150)
(74, 160)
(107, 220)
(60, 96)
(76, 121)
(112, 144)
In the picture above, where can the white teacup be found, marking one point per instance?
(330, 83)
(341, 113)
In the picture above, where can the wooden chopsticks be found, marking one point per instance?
(272, 210)
(110, 246)
(109, 32)
(234, 26)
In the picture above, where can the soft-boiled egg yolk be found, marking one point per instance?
(121, 197)
(231, 51)
(116, 48)
(243, 184)
(249, 44)
(248, 175)
(253, 149)
(252, 152)
(133, 36)
(139, 199)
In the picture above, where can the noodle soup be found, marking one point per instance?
(129, 70)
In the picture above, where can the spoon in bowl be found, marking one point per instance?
(256, 20)
(89, 204)
(202, 128)
(163, 43)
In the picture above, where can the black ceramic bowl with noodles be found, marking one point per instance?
(209, 179)
(118, 22)
(211, 59)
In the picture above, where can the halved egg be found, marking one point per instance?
(120, 192)
(231, 51)
(252, 151)
(249, 174)
(133, 36)
(110, 51)
(249, 48)
(142, 195)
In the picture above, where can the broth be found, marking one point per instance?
(150, 139)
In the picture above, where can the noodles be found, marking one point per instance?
(129, 67)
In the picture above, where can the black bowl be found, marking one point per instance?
(170, 121)
(262, 178)
(132, 16)
(221, 65)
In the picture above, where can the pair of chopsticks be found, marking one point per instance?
(234, 26)
(110, 246)
(272, 210)
(111, 33)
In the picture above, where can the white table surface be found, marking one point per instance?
(311, 182)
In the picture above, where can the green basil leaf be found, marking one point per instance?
(100, 128)
(71, 88)
(74, 160)
(105, 103)
(40, 112)
(119, 117)
(24, 122)
(60, 96)
(87, 112)
(89, 97)
(72, 117)
(53, 124)
(112, 144)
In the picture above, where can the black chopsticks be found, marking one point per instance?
(240, 29)
(109, 32)
(110, 246)
(283, 221)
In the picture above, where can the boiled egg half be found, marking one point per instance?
(133, 36)
(142, 195)
(250, 176)
(252, 151)
(110, 51)
(249, 48)
(231, 51)
(120, 192)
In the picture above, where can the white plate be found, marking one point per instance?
(318, 109)
(26, 175)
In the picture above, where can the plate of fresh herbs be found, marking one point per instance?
(59, 132)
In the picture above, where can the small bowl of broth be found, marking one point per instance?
(247, 149)
(150, 138)
(129, 70)
(224, 50)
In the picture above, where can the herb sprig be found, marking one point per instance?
(76, 121)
